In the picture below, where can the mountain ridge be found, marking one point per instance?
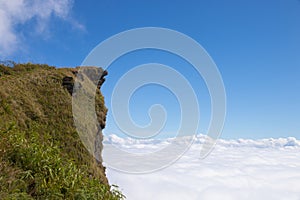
(42, 156)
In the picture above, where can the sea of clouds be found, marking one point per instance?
(235, 170)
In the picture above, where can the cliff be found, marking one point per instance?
(41, 154)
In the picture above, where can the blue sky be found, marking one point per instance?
(255, 44)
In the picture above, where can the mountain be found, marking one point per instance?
(41, 153)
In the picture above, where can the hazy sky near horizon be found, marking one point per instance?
(255, 44)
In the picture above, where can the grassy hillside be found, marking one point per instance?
(41, 155)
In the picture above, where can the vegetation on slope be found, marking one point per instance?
(41, 155)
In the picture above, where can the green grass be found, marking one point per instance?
(41, 154)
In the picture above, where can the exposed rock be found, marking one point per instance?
(87, 78)
(93, 73)
(68, 83)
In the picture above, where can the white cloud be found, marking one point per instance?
(18, 12)
(236, 170)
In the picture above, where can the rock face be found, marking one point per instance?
(93, 74)
(68, 83)
(96, 77)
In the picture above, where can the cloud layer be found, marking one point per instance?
(14, 13)
(236, 169)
